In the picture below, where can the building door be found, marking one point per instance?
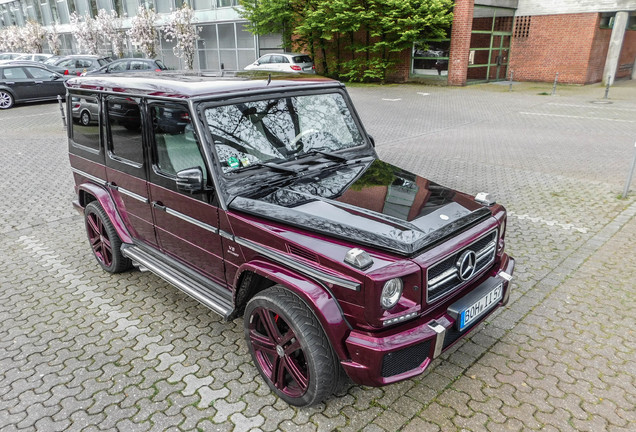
(490, 44)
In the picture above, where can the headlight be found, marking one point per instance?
(391, 293)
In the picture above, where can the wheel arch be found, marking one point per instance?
(89, 192)
(258, 275)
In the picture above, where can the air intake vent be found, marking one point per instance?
(303, 253)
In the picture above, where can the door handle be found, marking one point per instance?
(39, 82)
(159, 205)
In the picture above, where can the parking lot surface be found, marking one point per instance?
(82, 350)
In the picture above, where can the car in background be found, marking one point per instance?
(78, 64)
(40, 57)
(283, 62)
(130, 65)
(28, 83)
(35, 63)
(8, 56)
(84, 109)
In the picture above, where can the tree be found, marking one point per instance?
(181, 29)
(373, 32)
(33, 36)
(110, 26)
(86, 33)
(143, 33)
(53, 40)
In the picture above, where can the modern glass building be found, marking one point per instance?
(225, 44)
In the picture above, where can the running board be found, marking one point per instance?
(210, 297)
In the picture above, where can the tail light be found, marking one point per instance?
(295, 67)
(185, 117)
(313, 67)
(66, 72)
(157, 70)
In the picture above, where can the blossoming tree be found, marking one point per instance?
(181, 29)
(143, 32)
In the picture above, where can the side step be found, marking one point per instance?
(215, 297)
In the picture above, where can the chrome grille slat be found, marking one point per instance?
(447, 280)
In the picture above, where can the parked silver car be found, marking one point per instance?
(283, 62)
(84, 110)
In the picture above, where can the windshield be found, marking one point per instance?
(280, 129)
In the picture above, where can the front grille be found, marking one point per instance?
(443, 277)
(404, 360)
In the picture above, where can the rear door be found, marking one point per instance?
(19, 82)
(46, 83)
(125, 166)
(186, 224)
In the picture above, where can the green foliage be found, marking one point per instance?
(354, 39)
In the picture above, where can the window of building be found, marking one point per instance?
(430, 57)
(631, 21)
(202, 4)
(226, 46)
(226, 3)
(607, 20)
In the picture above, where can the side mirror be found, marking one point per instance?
(190, 180)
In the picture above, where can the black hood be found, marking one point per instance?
(371, 203)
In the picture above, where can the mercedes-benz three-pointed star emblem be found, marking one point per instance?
(466, 265)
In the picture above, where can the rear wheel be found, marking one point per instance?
(85, 118)
(6, 99)
(289, 347)
(104, 241)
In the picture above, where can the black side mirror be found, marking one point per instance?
(190, 180)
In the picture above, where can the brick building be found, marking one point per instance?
(585, 41)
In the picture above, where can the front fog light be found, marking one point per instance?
(391, 293)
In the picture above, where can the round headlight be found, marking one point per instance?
(391, 293)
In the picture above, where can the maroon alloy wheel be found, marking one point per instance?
(278, 352)
(98, 238)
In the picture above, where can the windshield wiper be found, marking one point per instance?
(329, 155)
(271, 165)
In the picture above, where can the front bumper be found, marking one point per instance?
(378, 361)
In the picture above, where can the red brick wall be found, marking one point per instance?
(556, 43)
(598, 54)
(628, 55)
(460, 42)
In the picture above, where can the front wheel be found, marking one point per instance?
(85, 118)
(104, 241)
(6, 99)
(289, 347)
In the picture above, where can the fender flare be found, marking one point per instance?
(106, 201)
(320, 300)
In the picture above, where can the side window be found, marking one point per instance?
(85, 125)
(137, 65)
(121, 66)
(266, 60)
(176, 146)
(84, 63)
(40, 73)
(15, 73)
(124, 130)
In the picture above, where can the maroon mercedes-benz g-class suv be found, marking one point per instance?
(265, 199)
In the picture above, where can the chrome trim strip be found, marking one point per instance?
(309, 271)
(226, 235)
(88, 176)
(489, 247)
(444, 277)
(440, 330)
(132, 195)
(192, 220)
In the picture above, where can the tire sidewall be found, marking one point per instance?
(11, 99)
(268, 299)
(119, 262)
(88, 116)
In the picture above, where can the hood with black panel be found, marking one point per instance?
(369, 202)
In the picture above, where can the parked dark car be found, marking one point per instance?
(36, 63)
(78, 64)
(130, 65)
(28, 83)
(271, 204)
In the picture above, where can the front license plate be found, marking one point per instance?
(481, 306)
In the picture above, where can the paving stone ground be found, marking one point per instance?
(82, 350)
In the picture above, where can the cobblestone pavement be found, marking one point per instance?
(83, 350)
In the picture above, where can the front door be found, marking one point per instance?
(125, 167)
(186, 224)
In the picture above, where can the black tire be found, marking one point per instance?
(85, 118)
(104, 241)
(300, 366)
(6, 99)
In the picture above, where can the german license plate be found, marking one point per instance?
(481, 306)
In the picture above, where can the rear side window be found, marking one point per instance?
(117, 67)
(138, 65)
(84, 63)
(85, 124)
(40, 73)
(124, 130)
(14, 73)
(302, 59)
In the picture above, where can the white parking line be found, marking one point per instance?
(592, 106)
(565, 226)
(578, 117)
(392, 100)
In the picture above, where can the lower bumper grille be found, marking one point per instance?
(404, 360)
